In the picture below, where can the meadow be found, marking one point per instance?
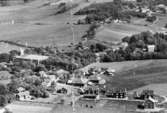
(24, 108)
(135, 74)
(38, 25)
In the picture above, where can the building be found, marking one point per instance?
(91, 92)
(144, 95)
(98, 55)
(148, 104)
(93, 79)
(23, 95)
(161, 8)
(31, 57)
(147, 94)
(151, 48)
(116, 93)
(76, 82)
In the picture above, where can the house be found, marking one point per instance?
(23, 95)
(63, 75)
(77, 82)
(145, 10)
(161, 8)
(62, 72)
(93, 79)
(118, 93)
(151, 48)
(98, 55)
(148, 104)
(48, 81)
(90, 92)
(124, 45)
(43, 74)
(145, 95)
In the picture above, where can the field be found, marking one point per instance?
(37, 24)
(114, 32)
(68, 109)
(158, 89)
(23, 108)
(135, 74)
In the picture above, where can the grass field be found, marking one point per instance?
(68, 109)
(38, 25)
(18, 108)
(114, 32)
(135, 74)
(158, 89)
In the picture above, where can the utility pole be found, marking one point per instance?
(71, 24)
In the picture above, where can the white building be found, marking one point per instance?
(32, 57)
(151, 48)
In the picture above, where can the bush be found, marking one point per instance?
(151, 18)
(165, 25)
(4, 57)
(3, 100)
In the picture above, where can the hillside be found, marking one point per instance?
(135, 74)
(37, 24)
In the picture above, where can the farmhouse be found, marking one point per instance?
(150, 103)
(145, 95)
(117, 93)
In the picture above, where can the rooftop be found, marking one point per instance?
(33, 57)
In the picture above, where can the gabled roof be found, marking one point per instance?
(75, 80)
(62, 71)
(32, 57)
(21, 89)
(153, 100)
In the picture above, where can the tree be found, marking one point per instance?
(4, 57)
(151, 18)
(12, 87)
(3, 89)
(165, 26)
(3, 100)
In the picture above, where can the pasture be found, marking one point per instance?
(135, 74)
(159, 89)
(38, 25)
(23, 108)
